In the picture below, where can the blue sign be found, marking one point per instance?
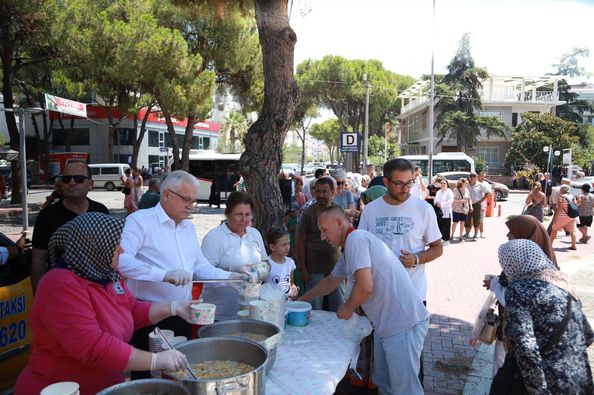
(350, 142)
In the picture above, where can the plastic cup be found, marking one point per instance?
(298, 313)
(203, 313)
(252, 291)
(260, 310)
(62, 388)
(243, 314)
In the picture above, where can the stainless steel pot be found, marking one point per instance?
(224, 328)
(228, 349)
(147, 386)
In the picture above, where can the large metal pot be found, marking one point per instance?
(224, 328)
(147, 386)
(228, 349)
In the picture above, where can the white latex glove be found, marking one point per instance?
(239, 276)
(171, 360)
(178, 277)
(183, 310)
(245, 269)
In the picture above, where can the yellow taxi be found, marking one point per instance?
(16, 299)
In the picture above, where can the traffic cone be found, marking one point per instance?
(499, 211)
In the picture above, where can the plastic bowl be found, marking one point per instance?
(298, 313)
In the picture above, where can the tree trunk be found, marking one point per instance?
(303, 150)
(134, 162)
(13, 130)
(47, 132)
(188, 134)
(174, 146)
(262, 158)
(138, 140)
(110, 134)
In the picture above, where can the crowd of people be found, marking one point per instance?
(352, 243)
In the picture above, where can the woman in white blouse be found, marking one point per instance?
(234, 245)
(444, 198)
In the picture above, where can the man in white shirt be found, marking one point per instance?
(478, 194)
(481, 179)
(386, 294)
(162, 253)
(406, 224)
(419, 189)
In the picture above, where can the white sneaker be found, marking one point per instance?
(446, 243)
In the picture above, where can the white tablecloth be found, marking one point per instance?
(313, 359)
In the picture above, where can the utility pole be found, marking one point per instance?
(366, 136)
(23, 154)
(431, 102)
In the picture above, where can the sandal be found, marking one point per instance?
(572, 248)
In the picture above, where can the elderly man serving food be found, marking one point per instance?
(162, 254)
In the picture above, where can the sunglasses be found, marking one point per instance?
(340, 182)
(77, 179)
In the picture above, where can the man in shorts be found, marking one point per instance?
(478, 194)
(481, 179)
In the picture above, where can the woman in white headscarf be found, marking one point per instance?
(544, 326)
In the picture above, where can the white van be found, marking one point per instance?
(107, 175)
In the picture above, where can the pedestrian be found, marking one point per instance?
(387, 296)
(432, 191)
(546, 185)
(370, 171)
(138, 185)
(561, 220)
(76, 184)
(545, 325)
(281, 265)
(419, 189)
(478, 194)
(406, 224)
(130, 201)
(56, 194)
(83, 314)
(585, 203)
(535, 202)
(162, 255)
(214, 199)
(152, 197)
(460, 208)
(316, 257)
(236, 246)
(308, 189)
(481, 178)
(444, 199)
(286, 189)
(299, 196)
(343, 197)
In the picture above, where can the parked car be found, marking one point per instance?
(107, 175)
(576, 185)
(290, 168)
(501, 191)
(16, 299)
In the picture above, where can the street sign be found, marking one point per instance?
(162, 149)
(58, 104)
(350, 142)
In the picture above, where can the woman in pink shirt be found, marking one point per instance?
(84, 315)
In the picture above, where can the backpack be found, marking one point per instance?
(572, 209)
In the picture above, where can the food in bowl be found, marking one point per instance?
(216, 370)
(251, 336)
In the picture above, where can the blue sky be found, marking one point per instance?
(508, 37)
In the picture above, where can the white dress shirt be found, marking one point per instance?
(445, 197)
(153, 245)
(225, 249)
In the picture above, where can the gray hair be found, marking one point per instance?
(564, 189)
(175, 179)
(154, 182)
(339, 173)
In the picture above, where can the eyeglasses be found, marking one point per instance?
(79, 179)
(243, 216)
(185, 199)
(340, 182)
(400, 184)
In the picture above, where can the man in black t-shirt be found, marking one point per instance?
(76, 184)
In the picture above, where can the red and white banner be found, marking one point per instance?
(65, 106)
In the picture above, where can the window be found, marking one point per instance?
(123, 136)
(196, 142)
(490, 155)
(154, 160)
(95, 171)
(205, 143)
(514, 119)
(109, 170)
(78, 136)
(122, 159)
(153, 138)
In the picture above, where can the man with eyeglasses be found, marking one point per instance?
(76, 182)
(162, 255)
(406, 224)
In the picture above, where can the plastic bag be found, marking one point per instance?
(480, 319)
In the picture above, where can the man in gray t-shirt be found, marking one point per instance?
(386, 294)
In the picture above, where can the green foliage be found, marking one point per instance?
(236, 125)
(337, 84)
(292, 154)
(568, 63)
(458, 98)
(535, 132)
(377, 150)
(328, 132)
(479, 164)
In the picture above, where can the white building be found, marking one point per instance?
(585, 91)
(504, 97)
(90, 135)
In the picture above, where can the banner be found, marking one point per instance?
(65, 106)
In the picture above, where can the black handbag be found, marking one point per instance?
(126, 191)
(573, 210)
(508, 379)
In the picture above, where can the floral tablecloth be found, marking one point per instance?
(313, 359)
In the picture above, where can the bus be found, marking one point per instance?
(442, 162)
(207, 165)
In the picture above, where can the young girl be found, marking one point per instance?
(281, 266)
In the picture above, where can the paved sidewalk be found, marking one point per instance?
(456, 294)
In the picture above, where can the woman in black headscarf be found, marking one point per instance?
(84, 315)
